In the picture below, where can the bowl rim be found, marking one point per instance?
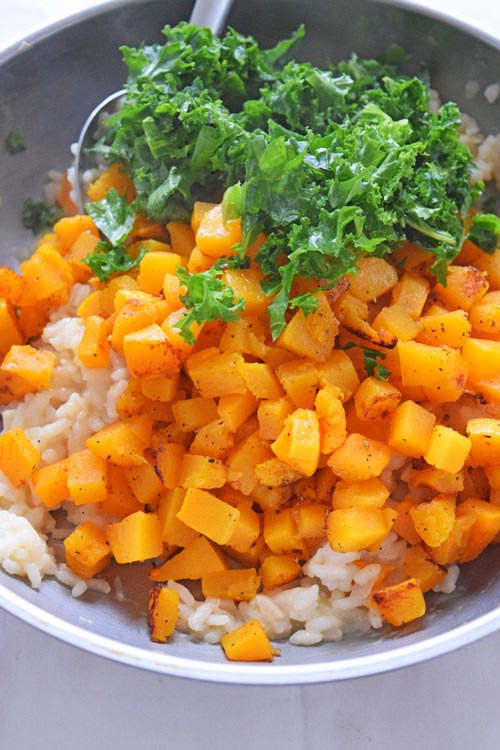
(230, 672)
(242, 673)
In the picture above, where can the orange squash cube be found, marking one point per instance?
(18, 456)
(372, 492)
(420, 566)
(311, 335)
(434, 519)
(401, 602)
(278, 570)
(87, 550)
(216, 237)
(359, 457)
(163, 612)
(201, 472)
(135, 538)
(238, 584)
(410, 429)
(149, 354)
(206, 514)
(50, 483)
(9, 326)
(198, 558)
(248, 643)
(484, 436)
(93, 349)
(299, 442)
(448, 449)
(86, 477)
(465, 285)
(356, 528)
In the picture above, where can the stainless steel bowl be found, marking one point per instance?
(48, 84)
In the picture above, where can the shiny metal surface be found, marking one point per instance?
(47, 87)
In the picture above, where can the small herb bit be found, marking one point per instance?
(371, 358)
(114, 217)
(207, 298)
(38, 215)
(107, 260)
(15, 143)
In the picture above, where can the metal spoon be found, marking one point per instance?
(208, 13)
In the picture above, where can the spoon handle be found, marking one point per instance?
(210, 13)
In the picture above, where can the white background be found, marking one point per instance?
(55, 696)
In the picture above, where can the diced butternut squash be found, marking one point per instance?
(238, 584)
(485, 527)
(18, 456)
(118, 443)
(442, 371)
(201, 472)
(144, 483)
(281, 532)
(465, 285)
(167, 462)
(205, 513)
(248, 643)
(120, 501)
(419, 565)
(375, 399)
(444, 329)
(198, 558)
(243, 461)
(115, 176)
(356, 528)
(235, 408)
(87, 550)
(448, 449)
(299, 442)
(214, 236)
(398, 321)
(163, 612)
(278, 570)
(216, 373)
(359, 457)
(87, 477)
(434, 519)
(411, 293)
(50, 483)
(10, 328)
(410, 429)
(247, 528)
(311, 335)
(484, 436)
(213, 439)
(371, 492)
(299, 380)
(374, 278)
(192, 413)
(175, 533)
(271, 414)
(339, 371)
(149, 354)
(135, 538)
(401, 602)
(93, 349)
(155, 264)
(33, 366)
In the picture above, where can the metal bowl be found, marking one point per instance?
(48, 84)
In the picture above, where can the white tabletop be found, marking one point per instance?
(56, 696)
